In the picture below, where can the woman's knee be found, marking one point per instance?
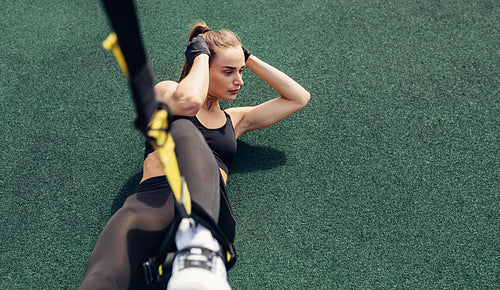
(182, 129)
(191, 147)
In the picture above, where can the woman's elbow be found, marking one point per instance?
(185, 104)
(304, 98)
(192, 106)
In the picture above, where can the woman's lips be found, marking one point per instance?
(234, 92)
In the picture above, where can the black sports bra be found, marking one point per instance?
(222, 141)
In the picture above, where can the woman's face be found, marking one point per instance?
(226, 71)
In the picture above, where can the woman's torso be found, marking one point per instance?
(220, 136)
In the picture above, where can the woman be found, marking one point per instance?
(205, 137)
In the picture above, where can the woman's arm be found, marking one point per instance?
(293, 97)
(186, 97)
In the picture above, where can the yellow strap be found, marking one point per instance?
(111, 43)
(164, 144)
(162, 141)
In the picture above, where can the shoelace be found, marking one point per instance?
(197, 257)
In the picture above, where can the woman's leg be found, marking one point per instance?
(198, 166)
(129, 235)
(140, 225)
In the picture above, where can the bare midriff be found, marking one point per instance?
(223, 174)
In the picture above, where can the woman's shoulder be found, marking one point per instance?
(237, 116)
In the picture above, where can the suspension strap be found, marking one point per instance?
(126, 45)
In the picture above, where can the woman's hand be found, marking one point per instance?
(195, 47)
(245, 52)
(186, 97)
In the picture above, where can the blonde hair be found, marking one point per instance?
(214, 39)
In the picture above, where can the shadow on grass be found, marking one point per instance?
(126, 190)
(256, 158)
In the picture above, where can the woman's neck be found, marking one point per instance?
(211, 104)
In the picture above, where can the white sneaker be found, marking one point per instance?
(198, 268)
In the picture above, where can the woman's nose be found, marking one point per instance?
(239, 80)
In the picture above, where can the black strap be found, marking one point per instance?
(123, 18)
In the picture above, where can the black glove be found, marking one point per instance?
(245, 52)
(195, 47)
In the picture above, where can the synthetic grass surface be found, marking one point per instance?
(389, 178)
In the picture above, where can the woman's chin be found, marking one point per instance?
(230, 97)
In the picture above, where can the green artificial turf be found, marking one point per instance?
(389, 178)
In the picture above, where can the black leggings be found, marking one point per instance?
(139, 226)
